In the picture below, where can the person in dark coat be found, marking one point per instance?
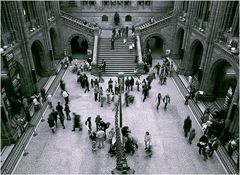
(104, 65)
(62, 118)
(59, 108)
(112, 43)
(159, 97)
(187, 125)
(126, 31)
(51, 122)
(97, 121)
(127, 83)
(126, 99)
(110, 85)
(43, 94)
(191, 136)
(131, 82)
(62, 85)
(145, 92)
(88, 123)
(55, 116)
(166, 100)
(87, 85)
(76, 122)
(67, 111)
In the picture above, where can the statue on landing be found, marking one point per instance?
(116, 18)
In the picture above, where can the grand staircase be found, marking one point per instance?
(117, 60)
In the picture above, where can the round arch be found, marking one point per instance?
(179, 42)
(196, 52)
(54, 42)
(77, 35)
(38, 55)
(156, 42)
(223, 76)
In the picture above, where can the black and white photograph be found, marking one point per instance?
(119, 87)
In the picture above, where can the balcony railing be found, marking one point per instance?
(231, 43)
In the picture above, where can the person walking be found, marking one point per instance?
(187, 125)
(96, 91)
(55, 116)
(116, 88)
(159, 97)
(62, 118)
(191, 136)
(108, 96)
(205, 116)
(36, 104)
(62, 85)
(76, 122)
(138, 82)
(127, 83)
(102, 99)
(88, 123)
(112, 43)
(166, 101)
(49, 100)
(100, 138)
(87, 85)
(202, 143)
(43, 94)
(67, 111)
(126, 99)
(65, 94)
(110, 85)
(59, 108)
(97, 121)
(131, 82)
(145, 92)
(51, 122)
(100, 94)
(111, 134)
(147, 139)
(214, 146)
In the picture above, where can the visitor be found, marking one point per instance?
(166, 101)
(88, 123)
(67, 111)
(76, 122)
(187, 125)
(65, 94)
(55, 116)
(191, 136)
(147, 139)
(100, 137)
(51, 122)
(110, 85)
(158, 99)
(49, 100)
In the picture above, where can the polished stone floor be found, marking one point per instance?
(67, 152)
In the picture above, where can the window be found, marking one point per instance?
(104, 18)
(128, 18)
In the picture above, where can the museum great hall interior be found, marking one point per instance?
(201, 38)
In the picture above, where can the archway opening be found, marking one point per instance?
(196, 56)
(38, 57)
(79, 45)
(225, 80)
(155, 43)
(54, 43)
(180, 48)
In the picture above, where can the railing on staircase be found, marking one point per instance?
(157, 21)
(79, 23)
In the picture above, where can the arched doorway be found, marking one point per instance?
(54, 42)
(196, 56)
(79, 45)
(38, 57)
(225, 80)
(155, 43)
(180, 49)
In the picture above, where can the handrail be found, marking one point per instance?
(80, 22)
(156, 21)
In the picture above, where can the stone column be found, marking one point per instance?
(50, 69)
(95, 50)
(235, 22)
(17, 14)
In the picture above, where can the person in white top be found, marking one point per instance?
(49, 100)
(100, 138)
(36, 104)
(147, 139)
(65, 95)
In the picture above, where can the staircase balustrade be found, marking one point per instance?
(79, 23)
(139, 54)
(157, 21)
(95, 52)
